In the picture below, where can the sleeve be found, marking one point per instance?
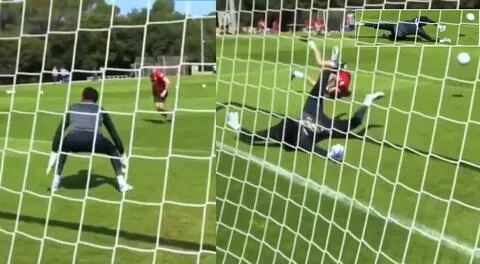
(107, 121)
(58, 134)
(424, 35)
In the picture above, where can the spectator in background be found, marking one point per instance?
(64, 75)
(276, 26)
(320, 26)
(309, 25)
(261, 25)
(316, 25)
(55, 74)
(350, 21)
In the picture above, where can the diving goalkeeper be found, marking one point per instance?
(84, 121)
(414, 26)
(314, 125)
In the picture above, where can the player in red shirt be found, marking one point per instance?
(160, 85)
(261, 25)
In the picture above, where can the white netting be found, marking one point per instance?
(161, 219)
(403, 192)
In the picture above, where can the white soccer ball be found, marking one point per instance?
(337, 151)
(470, 17)
(204, 86)
(463, 58)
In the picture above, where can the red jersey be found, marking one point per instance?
(344, 78)
(159, 83)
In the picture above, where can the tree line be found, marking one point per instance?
(99, 35)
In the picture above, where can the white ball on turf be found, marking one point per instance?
(204, 86)
(470, 17)
(463, 58)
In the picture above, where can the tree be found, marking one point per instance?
(90, 49)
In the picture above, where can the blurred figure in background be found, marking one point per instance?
(350, 21)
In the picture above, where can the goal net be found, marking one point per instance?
(405, 190)
(50, 51)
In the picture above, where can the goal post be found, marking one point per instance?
(406, 176)
(169, 214)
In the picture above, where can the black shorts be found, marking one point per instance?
(82, 142)
(158, 99)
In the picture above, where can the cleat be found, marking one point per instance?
(125, 187)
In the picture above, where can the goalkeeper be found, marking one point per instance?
(414, 26)
(84, 120)
(314, 125)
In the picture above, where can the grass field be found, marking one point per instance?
(82, 222)
(400, 195)
(458, 29)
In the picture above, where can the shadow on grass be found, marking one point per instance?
(360, 135)
(156, 121)
(164, 242)
(79, 181)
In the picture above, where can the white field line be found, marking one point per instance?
(174, 150)
(449, 241)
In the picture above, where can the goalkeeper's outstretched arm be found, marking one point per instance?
(318, 57)
(424, 35)
(107, 121)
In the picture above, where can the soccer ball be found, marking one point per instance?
(470, 17)
(463, 58)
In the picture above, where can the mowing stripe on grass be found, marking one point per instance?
(450, 242)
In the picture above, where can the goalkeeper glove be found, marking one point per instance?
(336, 152)
(335, 52)
(51, 161)
(297, 74)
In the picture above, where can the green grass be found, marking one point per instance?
(171, 177)
(466, 33)
(385, 171)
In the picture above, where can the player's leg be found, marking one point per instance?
(160, 105)
(74, 142)
(258, 137)
(307, 144)
(385, 26)
(104, 146)
(343, 126)
(262, 136)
